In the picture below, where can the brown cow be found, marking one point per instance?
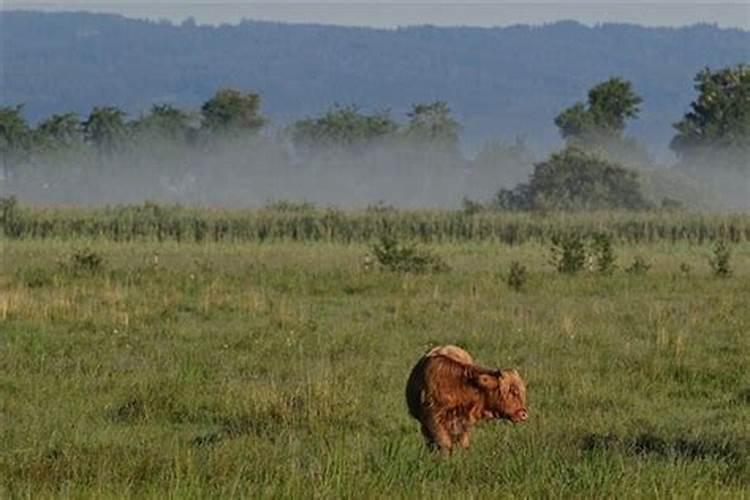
(448, 394)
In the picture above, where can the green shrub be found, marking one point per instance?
(516, 276)
(568, 253)
(602, 253)
(405, 258)
(720, 261)
(574, 179)
(8, 216)
(85, 260)
(638, 266)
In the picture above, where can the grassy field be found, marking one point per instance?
(252, 369)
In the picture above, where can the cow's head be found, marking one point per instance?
(504, 394)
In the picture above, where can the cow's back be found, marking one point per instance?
(441, 366)
(453, 352)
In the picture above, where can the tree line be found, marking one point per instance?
(587, 173)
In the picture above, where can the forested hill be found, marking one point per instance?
(499, 82)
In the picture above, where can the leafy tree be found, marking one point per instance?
(603, 117)
(576, 123)
(344, 127)
(719, 119)
(574, 179)
(15, 138)
(231, 110)
(58, 131)
(106, 129)
(432, 123)
(165, 121)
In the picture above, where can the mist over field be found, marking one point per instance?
(250, 173)
(253, 172)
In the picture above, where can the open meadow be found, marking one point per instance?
(164, 365)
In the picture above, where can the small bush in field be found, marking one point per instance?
(602, 253)
(719, 262)
(516, 276)
(8, 209)
(405, 258)
(85, 260)
(568, 253)
(639, 266)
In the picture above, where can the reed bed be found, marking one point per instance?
(290, 222)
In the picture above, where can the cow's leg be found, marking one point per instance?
(437, 432)
(428, 437)
(464, 439)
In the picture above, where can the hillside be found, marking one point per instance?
(500, 82)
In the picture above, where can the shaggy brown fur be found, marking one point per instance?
(447, 393)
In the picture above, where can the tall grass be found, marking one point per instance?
(289, 222)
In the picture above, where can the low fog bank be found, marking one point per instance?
(256, 171)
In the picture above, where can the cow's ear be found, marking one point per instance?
(487, 380)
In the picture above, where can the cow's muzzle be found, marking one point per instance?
(521, 415)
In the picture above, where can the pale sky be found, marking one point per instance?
(392, 13)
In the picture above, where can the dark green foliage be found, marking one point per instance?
(719, 119)
(611, 103)
(574, 179)
(342, 127)
(59, 131)
(164, 121)
(571, 253)
(8, 215)
(432, 124)
(231, 110)
(599, 124)
(85, 260)
(519, 199)
(15, 138)
(568, 253)
(603, 117)
(720, 261)
(405, 258)
(517, 276)
(638, 266)
(14, 131)
(105, 129)
(602, 253)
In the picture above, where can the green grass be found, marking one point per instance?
(286, 221)
(215, 370)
